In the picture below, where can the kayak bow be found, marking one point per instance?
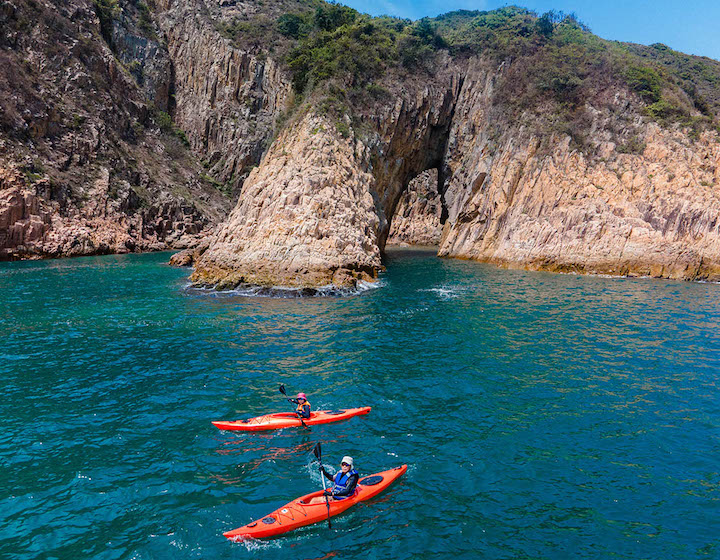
(290, 419)
(299, 513)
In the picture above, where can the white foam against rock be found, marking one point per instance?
(282, 292)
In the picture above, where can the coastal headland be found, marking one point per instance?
(284, 144)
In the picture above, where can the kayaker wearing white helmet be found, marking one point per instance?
(344, 481)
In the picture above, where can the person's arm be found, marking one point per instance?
(330, 477)
(352, 483)
(305, 411)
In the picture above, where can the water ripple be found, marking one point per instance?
(540, 415)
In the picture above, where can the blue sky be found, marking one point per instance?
(691, 26)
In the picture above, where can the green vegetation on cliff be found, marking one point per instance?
(357, 48)
(107, 11)
(334, 42)
(552, 61)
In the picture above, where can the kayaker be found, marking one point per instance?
(303, 406)
(344, 481)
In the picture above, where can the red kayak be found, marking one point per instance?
(290, 420)
(298, 513)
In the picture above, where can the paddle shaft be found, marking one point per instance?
(318, 454)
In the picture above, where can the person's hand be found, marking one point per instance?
(327, 492)
(321, 468)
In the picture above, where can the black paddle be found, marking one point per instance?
(282, 390)
(318, 454)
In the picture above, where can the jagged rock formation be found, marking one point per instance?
(85, 168)
(305, 216)
(419, 212)
(142, 53)
(321, 181)
(317, 209)
(652, 214)
(512, 197)
(227, 100)
(24, 218)
(32, 225)
(521, 200)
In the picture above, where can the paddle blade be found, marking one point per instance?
(317, 450)
(282, 390)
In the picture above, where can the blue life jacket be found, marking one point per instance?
(341, 482)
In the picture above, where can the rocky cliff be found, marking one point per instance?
(656, 213)
(551, 149)
(417, 219)
(227, 99)
(90, 162)
(306, 216)
(317, 209)
(635, 198)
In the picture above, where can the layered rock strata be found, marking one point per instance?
(227, 100)
(656, 213)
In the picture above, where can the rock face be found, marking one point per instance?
(24, 219)
(418, 214)
(305, 217)
(511, 196)
(227, 100)
(33, 226)
(656, 213)
(87, 164)
(146, 59)
(525, 201)
(92, 162)
(317, 209)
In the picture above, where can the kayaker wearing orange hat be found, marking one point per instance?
(344, 481)
(303, 406)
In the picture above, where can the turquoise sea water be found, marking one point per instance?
(541, 416)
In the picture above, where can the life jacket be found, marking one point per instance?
(300, 406)
(341, 482)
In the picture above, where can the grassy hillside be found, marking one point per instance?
(555, 59)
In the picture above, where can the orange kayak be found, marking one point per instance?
(290, 420)
(299, 513)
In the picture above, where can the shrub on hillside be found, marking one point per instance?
(107, 11)
(552, 63)
(646, 82)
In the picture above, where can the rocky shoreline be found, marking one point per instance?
(34, 227)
